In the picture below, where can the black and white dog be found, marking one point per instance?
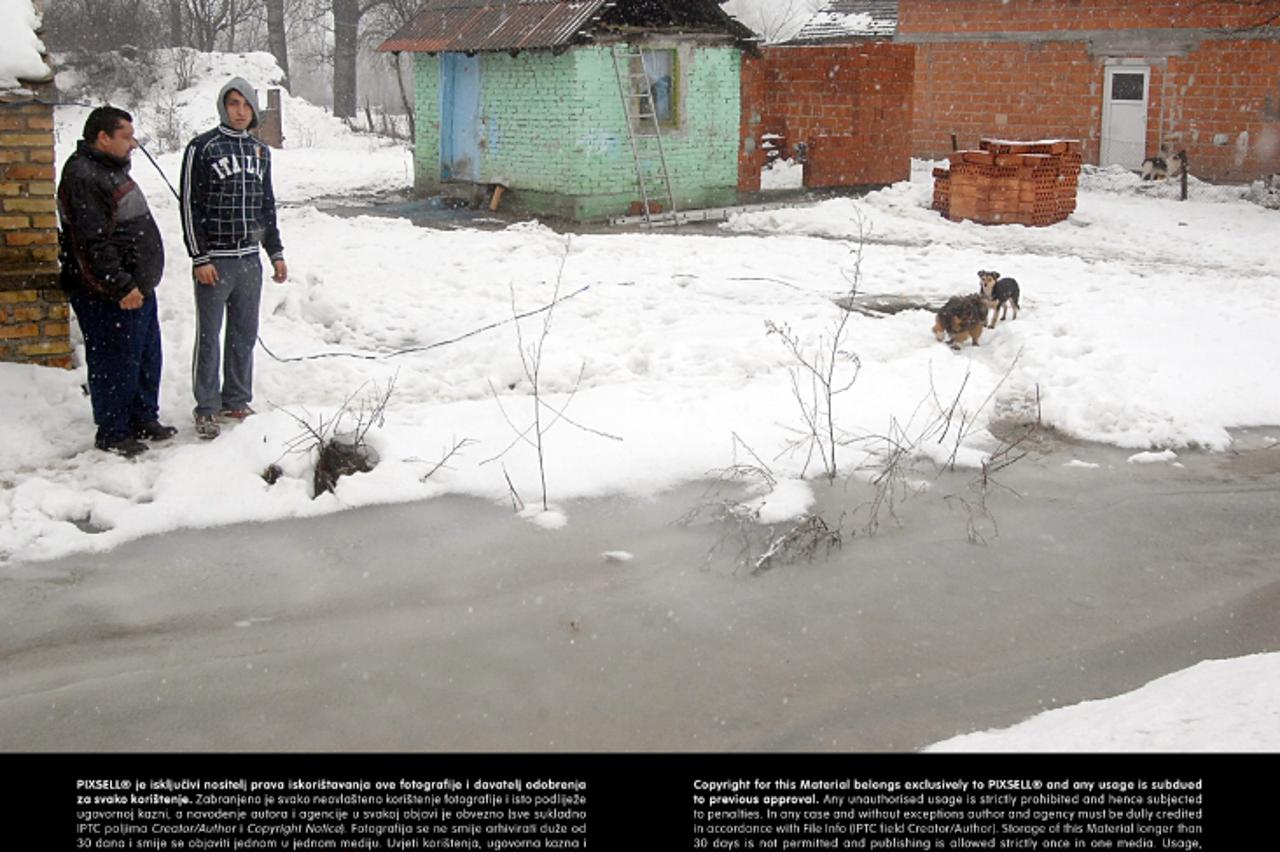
(998, 293)
(1164, 165)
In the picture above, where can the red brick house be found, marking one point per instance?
(1123, 77)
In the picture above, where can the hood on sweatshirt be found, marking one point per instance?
(246, 90)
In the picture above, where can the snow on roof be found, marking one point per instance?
(476, 25)
(992, 141)
(845, 19)
(21, 51)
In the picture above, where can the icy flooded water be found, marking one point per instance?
(453, 625)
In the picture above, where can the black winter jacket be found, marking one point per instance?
(109, 242)
(228, 205)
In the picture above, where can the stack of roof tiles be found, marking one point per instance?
(1010, 183)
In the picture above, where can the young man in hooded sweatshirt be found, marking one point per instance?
(228, 213)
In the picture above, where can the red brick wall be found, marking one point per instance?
(1226, 88)
(33, 311)
(1018, 91)
(850, 105)
(970, 16)
(1227, 119)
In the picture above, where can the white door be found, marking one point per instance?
(1124, 116)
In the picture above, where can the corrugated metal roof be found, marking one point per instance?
(470, 26)
(849, 19)
(478, 25)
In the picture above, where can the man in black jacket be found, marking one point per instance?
(112, 260)
(228, 216)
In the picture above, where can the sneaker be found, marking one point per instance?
(154, 430)
(127, 447)
(238, 413)
(207, 427)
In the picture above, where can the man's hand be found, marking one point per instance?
(282, 271)
(206, 273)
(132, 300)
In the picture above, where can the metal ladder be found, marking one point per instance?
(638, 104)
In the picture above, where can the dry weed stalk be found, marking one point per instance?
(828, 369)
(967, 419)
(984, 484)
(533, 434)
(759, 547)
(443, 464)
(949, 423)
(802, 540)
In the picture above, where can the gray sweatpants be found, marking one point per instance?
(236, 294)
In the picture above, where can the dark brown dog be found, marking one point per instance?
(963, 318)
(999, 293)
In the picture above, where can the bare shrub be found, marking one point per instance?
(1013, 448)
(823, 371)
(803, 540)
(183, 61)
(896, 475)
(543, 415)
(338, 444)
(758, 547)
(168, 129)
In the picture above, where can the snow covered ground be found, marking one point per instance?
(1147, 323)
(1216, 706)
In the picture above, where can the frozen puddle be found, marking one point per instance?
(454, 625)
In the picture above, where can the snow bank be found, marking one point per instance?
(1214, 706)
(21, 52)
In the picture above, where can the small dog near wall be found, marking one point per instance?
(999, 294)
(962, 317)
(1164, 165)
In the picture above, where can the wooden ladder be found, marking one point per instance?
(641, 114)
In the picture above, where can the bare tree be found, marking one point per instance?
(386, 17)
(825, 370)
(276, 40)
(384, 20)
(99, 24)
(774, 20)
(177, 23)
(346, 27)
(211, 20)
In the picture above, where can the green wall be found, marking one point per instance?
(426, 148)
(554, 130)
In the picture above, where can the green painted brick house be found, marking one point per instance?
(547, 99)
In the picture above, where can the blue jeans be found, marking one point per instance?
(236, 295)
(123, 354)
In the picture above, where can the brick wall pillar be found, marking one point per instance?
(34, 325)
(751, 154)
